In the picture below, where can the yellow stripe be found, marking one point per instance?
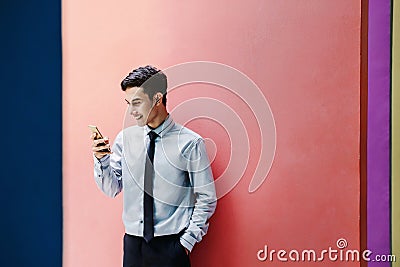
(396, 133)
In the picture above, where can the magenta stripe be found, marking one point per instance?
(378, 172)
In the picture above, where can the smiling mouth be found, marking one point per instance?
(138, 117)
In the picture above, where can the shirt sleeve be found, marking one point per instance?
(108, 171)
(202, 181)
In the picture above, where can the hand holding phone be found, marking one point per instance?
(101, 146)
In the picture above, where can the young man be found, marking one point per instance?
(163, 168)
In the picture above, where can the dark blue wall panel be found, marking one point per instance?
(31, 133)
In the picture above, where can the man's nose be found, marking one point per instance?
(132, 110)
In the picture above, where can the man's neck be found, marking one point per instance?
(158, 120)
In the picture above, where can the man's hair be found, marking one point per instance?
(150, 79)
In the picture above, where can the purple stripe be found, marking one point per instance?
(378, 176)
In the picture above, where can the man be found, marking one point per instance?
(163, 168)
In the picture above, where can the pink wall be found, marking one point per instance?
(304, 56)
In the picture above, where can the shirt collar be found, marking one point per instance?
(163, 128)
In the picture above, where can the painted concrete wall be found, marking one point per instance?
(396, 131)
(305, 58)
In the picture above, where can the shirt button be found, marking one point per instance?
(141, 221)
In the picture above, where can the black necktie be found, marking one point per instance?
(148, 231)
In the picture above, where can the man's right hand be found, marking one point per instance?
(100, 146)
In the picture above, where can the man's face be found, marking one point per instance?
(140, 105)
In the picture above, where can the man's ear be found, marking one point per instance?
(158, 98)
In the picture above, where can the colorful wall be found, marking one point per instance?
(31, 133)
(395, 130)
(304, 59)
(318, 75)
(378, 129)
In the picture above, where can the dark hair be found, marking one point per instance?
(150, 79)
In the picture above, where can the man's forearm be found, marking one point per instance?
(107, 179)
(204, 208)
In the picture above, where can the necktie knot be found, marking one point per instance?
(152, 135)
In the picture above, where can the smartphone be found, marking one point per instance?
(96, 130)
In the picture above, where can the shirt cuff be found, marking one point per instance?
(100, 165)
(104, 161)
(188, 241)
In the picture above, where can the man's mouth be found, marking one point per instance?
(138, 117)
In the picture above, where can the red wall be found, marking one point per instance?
(304, 57)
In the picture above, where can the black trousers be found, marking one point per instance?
(161, 251)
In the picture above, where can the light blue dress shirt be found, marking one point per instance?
(183, 187)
